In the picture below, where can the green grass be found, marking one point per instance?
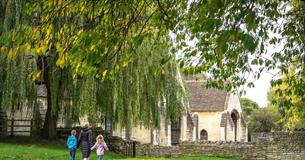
(41, 152)
(55, 150)
(184, 158)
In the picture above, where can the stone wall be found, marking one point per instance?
(264, 146)
(280, 145)
(118, 145)
(222, 149)
(210, 121)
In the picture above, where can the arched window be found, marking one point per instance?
(203, 135)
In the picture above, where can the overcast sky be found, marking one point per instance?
(259, 92)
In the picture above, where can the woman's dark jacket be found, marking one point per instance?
(85, 139)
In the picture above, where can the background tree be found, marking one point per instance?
(248, 107)
(259, 119)
(263, 120)
(290, 104)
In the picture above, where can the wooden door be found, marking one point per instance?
(175, 132)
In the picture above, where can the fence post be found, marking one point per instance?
(12, 127)
(128, 148)
(125, 148)
(31, 127)
(5, 127)
(133, 148)
(1, 128)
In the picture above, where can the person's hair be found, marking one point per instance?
(100, 137)
(73, 132)
(86, 125)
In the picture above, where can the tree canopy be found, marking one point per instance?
(288, 102)
(263, 120)
(248, 107)
(82, 39)
(131, 84)
(228, 36)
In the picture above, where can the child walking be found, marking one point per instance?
(100, 147)
(72, 144)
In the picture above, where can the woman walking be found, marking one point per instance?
(85, 139)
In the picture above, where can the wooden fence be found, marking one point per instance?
(14, 127)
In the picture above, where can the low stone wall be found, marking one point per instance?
(279, 145)
(117, 144)
(265, 146)
(223, 149)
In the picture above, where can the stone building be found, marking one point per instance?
(216, 114)
(211, 114)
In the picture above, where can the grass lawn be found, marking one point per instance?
(57, 151)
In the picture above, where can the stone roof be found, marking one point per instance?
(202, 99)
(41, 91)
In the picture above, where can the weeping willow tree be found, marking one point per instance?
(134, 85)
(147, 86)
(144, 87)
(16, 87)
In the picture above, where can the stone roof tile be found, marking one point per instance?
(205, 100)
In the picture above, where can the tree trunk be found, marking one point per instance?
(49, 127)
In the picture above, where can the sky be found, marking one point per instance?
(259, 92)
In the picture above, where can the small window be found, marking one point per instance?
(203, 135)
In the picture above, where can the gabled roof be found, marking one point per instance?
(202, 99)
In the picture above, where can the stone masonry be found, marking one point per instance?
(264, 146)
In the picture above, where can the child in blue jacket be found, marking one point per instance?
(72, 144)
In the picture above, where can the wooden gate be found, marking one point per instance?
(130, 149)
(175, 132)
